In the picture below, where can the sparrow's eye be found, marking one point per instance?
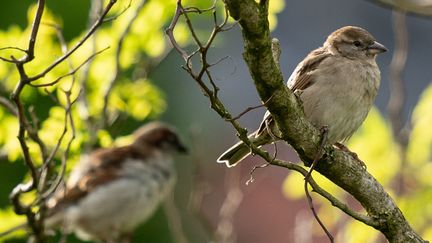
(357, 43)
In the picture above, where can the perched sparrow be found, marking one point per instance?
(113, 190)
(337, 84)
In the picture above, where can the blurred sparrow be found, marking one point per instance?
(337, 84)
(111, 191)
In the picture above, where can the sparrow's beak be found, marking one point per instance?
(181, 148)
(376, 48)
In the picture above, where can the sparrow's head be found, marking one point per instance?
(354, 42)
(158, 136)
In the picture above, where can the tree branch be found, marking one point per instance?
(418, 7)
(126, 30)
(218, 106)
(34, 211)
(8, 105)
(338, 166)
(78, 45)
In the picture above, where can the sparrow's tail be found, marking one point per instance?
(239, 151)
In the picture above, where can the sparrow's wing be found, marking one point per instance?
(266, 122)
(102, 167)
(300, 79)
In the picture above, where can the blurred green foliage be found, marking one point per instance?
(375, 144)
(134, 98)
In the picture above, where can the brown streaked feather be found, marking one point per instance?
(302, 79)
(303, 75)
(104, 167)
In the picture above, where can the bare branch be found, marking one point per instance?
(324, 133)
(251, 178)
(338, 166)
(174, 219)
(79, 44)
(13, 229)
(68, 119)
(117, 70)
(333, 200)
(12, 60)
(8, 105)
(96, 8)
(13, 48)
(225, 231)
(315, 214)
(251, 109)
(397, 89)
(38, 175)
(72, 72)
(400, 125)
(170, 31)
(35, 29)
(120, 13)
(417, 7)
(217, 105)
(46, 167)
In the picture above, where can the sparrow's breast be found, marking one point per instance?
(126, 201)
(341, 96)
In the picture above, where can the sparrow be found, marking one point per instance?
(336, 84)
(113, 190)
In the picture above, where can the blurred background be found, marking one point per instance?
(213, 203)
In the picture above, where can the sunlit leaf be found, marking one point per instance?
(275, 7)
(374, 144)
(420, 145)
(105, 139)
(10, 220)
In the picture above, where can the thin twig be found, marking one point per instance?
(120, 13)
(8, 105)
(24, 126)
(65, 156)
(70, 73)
(251, 178)
(170, 31)
(275, 153)
(219, 61)
(68, 116)
(200, 11)
(96, 8)
(174, 220)
(250, 109)
(78, 45)
(315, 214)
(13, 48)
(35, 29)
(401, 131)
(324, 133)
(225, 231)
(397, 66)
(13, 229)
(333, 200)
(249, 14)
(117, 70)
(220, 109)
(36, 223)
